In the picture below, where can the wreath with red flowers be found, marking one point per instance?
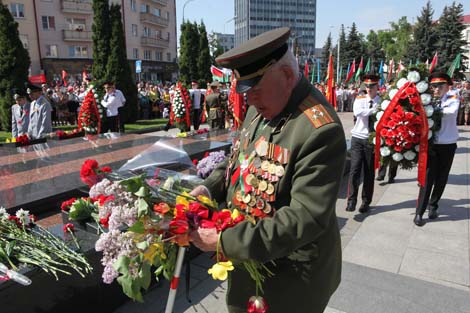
(181, 108)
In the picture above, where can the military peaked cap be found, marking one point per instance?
(30, 88)
(254, 57)
(370, 79)
(437, 78)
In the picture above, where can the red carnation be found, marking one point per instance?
(66, 205)
(68, 228)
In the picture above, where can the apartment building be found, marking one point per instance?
(58, 36)
(226, 41)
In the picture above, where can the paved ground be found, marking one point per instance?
(389, 265)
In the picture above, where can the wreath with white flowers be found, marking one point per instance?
(180, 108)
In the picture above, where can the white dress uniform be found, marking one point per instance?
(40, 122)
(19, 119)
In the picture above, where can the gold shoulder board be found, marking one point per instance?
(315, 112)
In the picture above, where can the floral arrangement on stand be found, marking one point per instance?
(207, 164)
(405, 121)
(89, 116)
(147, 221)
(22, 241)
(181, 108)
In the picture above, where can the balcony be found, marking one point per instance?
(154, 42)
(153, 19)
(77, 6)
(160, 2)
(76, 35)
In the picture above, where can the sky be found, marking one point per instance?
(367, 14)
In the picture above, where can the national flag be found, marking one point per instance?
(351, 72)
(433, 63)
(313, 74)
(64, 76)
(400, 68)
(381, 73)
(37, 79)
(367, 70)
(217, 74)
(391, 69)
(455, 66)
(306, 69)
(359, 71)
(330, 83)
(84, 75)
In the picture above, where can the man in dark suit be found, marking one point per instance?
(284, 172)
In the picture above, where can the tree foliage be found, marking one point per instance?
(14, 64)
(215, 47)
(204, 59)
(118, 69)
(327, 49)
(423, 43)
(101, 38)
(354, 45)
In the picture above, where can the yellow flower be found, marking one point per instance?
(235, 214)
(7, 140)
(154, 250)
(13, 139)
(207, 201)
(220, 270)
(181, 135)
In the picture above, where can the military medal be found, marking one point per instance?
(270, 189)
(246, 198)
(260, 203)
(267, 208)
(252, 202)
(279, 171)
(263, 185)
(265, 166)
(248, 179)
(272, 168)
(261, 147)
(238, 196)
(257, 162)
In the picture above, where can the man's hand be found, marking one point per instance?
(200, 190)
(205, 239)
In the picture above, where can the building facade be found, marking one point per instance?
(253, 17)
(226, 41)
(58, 36)
(466, 35)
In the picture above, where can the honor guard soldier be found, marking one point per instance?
(284, 173)
(214, 105)
(362, 152)
(19, 115)
(40, 122)
(441, 152)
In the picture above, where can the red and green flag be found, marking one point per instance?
(359, 71)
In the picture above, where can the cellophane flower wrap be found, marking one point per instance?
(406, 120)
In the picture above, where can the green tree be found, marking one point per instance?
(450, 41)
(374, 50)
(14, 64)
(402, 32)
(354, 46)
(118, 69)
(204, 59)
(342, 49)
(188, 55)
(101, 37)
(423, 44)
(327, 49)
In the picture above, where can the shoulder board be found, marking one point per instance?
(315, 112)
(361, 97)
(452, 97)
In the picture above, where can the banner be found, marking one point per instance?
(351, 72)
(455, 66)
(433, 63)
(359, 71)
(37, 79)
(330, 84)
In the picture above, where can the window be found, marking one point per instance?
(144, 8)
(134, 30)
(76, 23)
(133, 6)
(168, 56)
(48, 22)
(158, 55)
(167, 15)
(51, 51)
(147, 54)
(17, 10)
(135, 53)
(24, 41)
(147, 32)
(156, 12)
(78, 51)
(168, 36)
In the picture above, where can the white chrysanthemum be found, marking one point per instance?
(94, 90)
(385, 151)
(422, 86)
(23, 216)
(429, 110)
(3, 214)
(401, 82)
(392, 93)
(429, 134)
(96, 96)
(384, 104)
(430, 122)
(379, 115)
(426, 98)
(409, 155)
(413, 76)
(417, 148)
(397, 157)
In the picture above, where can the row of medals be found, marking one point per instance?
(263, 174)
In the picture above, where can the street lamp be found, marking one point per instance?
(228, 21)
(184, 6)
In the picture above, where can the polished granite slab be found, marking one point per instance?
(38, 172)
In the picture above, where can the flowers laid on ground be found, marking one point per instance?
(180, 108)
(405, 121)
(61, 134)
(91, 173)
(206, 165)
(89, 118)
(24, 242)
(22, 140)
(148, 218)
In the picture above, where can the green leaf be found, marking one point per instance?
(129, 288)
(142, 208)
(133, 184)
(122, 265)
(142, 245)
(137, 228)
(145, 275)
(82, 209)
(142, 192)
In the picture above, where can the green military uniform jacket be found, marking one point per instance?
(302, 237)
(213, 105)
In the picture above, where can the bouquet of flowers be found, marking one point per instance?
(180, 108)
(405, 121)
(147, 220)
(24, 242)
(209, 163)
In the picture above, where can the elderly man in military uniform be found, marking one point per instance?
(19, 115)
(40, 121)
(441, 151)
(284, 173)
(362, 152)
(214, 107)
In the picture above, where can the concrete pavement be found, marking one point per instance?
(389, 264)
